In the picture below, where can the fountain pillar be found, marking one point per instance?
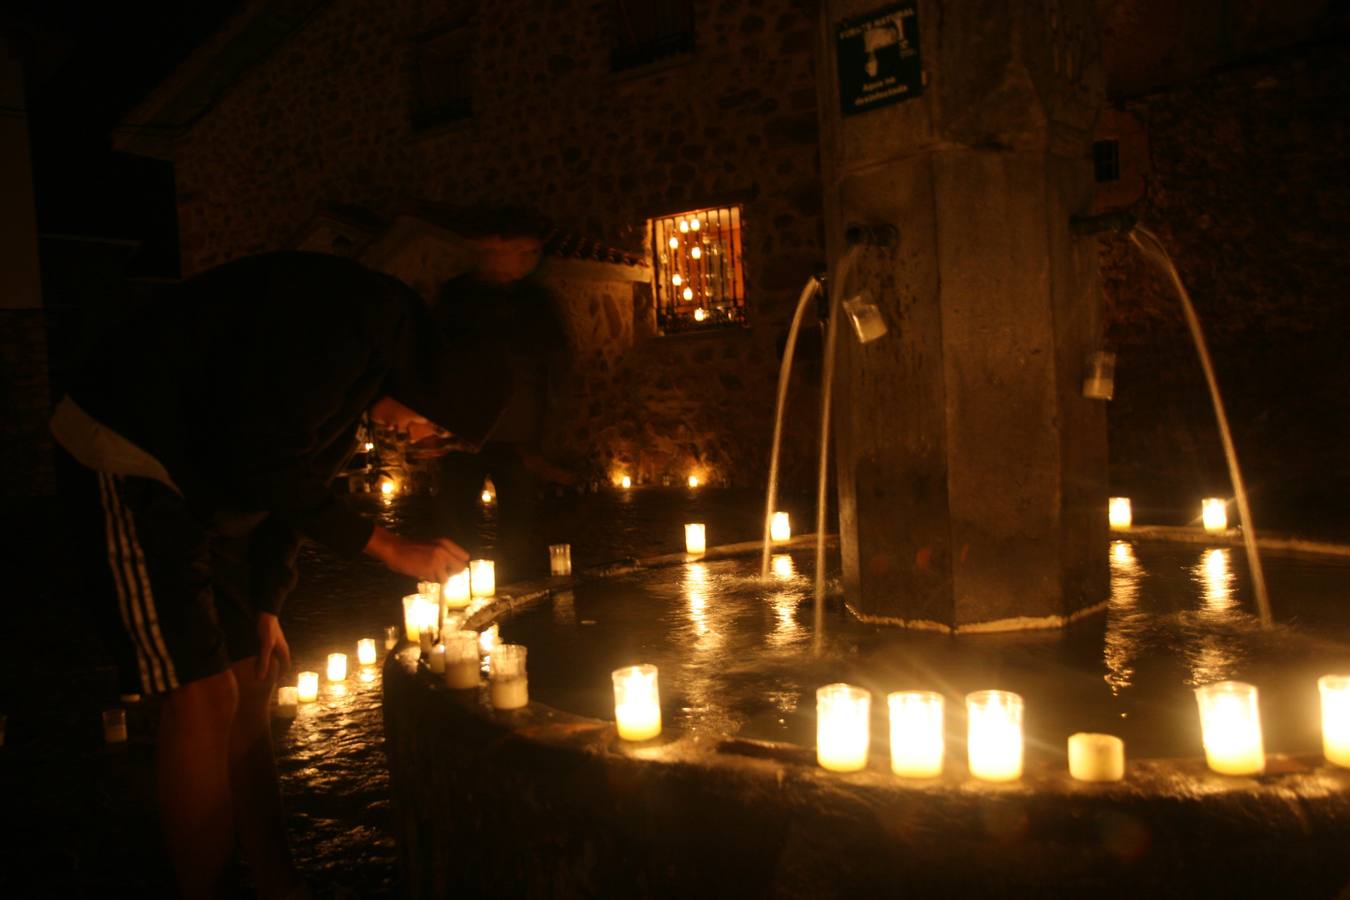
(971, 470)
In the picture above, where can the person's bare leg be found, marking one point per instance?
(259, 819)
(193, 781)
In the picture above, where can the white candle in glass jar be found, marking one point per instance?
(455, 592)
(1335, 691)
(994, 735)
(917, 743)
(1119, 513)
(461, 660)
(1230, 725)
(430, 589)
(843, 732)
(482, 577)
(1096, 757)
(1214, 514)
(288, 700)
(307, 686)
(419, 614)
(695, 539)
(637, 702)
(365, 651)
(115, 726)
(508, 688)
(337, 667)
(436, 661)
(780, 527)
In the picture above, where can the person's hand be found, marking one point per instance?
(424, 560)
(271, 642)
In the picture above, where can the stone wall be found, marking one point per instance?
(324, 122)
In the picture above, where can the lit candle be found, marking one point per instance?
(1119, 512)
(695, 539)
(637, 703)
(388, 487)
(842, 720)
(916, 733)
(1230, 723)
(456, 592)
(509, 688)
(994, 736)
(307, 686)
(780, 527)
(482, 577)
(487, 639)
(288, 699)
(560, 559)
(1335, 691)
(390, 637)
(365, 651)
(337, 667)
(430, 589)
(461, 660)
(419, 614)
(1096, 757)
(693, 481)
(1214, 513)
(625, 482)
(115, 726)
(436, 661)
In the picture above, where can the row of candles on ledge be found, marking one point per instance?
(1213, 513)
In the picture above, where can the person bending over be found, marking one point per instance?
(199, 442)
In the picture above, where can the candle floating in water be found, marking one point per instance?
(390, 637)
(780, 527)
(1335, 691)
(1119, 512)
(482, 577)
(337, 667)
(461, 660)
(456, 592)
(307, 686)
(365, 651)
(637, 703)
(1230, 724)
(436, 660)
(288, 699)
(695, 539)
(507, 683)
(1214, 514)
(842, 727)
(560, 559)
(114, 726)
(916, 733)
(1096, 757)
(994, 736)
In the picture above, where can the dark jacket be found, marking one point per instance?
(247, 383)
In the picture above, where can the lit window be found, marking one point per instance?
(696, 264)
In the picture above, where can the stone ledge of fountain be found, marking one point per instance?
(1230, 537)
(540, 801)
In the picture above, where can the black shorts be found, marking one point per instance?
(168, 593)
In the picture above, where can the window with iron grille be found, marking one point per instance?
(442, 89)
(696, 264)
(647, 31)
(1106, 160)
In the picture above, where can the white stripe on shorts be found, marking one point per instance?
(114, 551)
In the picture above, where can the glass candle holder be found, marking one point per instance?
(1096, 757)
(637, 702)
(488, 639)
(560, 559)
(461, 660)
(866, 317)
(430, 589)
(843, 714)
(626, 482)
(419, 614)
(288, 700)
(337, 667)
(1214, 514)
(1119, 513)
(695, 539)
(994, 735)
(482, 577)
(390, 637)
(780, 527)
(456, 592)
(115, 726)
(1335, 691)
(1230, 724)
(917, 743)
(365, 651)
(436, 660)
(307, 686)
(507, 683)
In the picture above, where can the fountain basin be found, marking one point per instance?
(544, 801)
